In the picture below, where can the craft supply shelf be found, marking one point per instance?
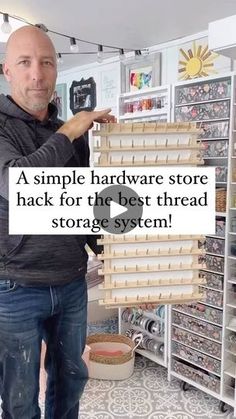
(209, 326)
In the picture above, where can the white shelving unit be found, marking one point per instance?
(200, 351)
(151, 104)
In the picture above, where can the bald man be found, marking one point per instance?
(43, 290)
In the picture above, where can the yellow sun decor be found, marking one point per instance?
(198, 62)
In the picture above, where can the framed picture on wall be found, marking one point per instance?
(60, 100)
(83, 95)
(141, 74)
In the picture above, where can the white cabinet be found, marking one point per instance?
(222, 36)
(151, 104)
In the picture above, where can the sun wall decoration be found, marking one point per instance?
(197, 61)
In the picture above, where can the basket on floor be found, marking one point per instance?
(220, 200)
(111, 356)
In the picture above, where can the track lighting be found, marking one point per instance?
(100, 54)
(6, 27)
(73, 46)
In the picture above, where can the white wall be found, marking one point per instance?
(169, 50)
(108, 72)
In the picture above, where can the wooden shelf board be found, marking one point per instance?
(132, 302)
(184, 252)
(146, 128)
(151, 283)
(142, 163)
(148, 148)
(144, 269)
(114, 239)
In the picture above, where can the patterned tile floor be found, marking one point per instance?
(147, 395)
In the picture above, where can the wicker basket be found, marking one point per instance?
(111, 367)
(220, 200)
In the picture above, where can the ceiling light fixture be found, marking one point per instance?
(122, 54)
(6, 27)
(59, 58)
(137, 54)
(73, 46)
(100, 54)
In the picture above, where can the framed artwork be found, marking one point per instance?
(141, 74)
(60, 100)
(83, 95)
(109, 88)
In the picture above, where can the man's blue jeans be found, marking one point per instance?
(59, 315)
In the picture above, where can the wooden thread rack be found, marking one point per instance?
(125, 282)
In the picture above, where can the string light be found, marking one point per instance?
(100, 54)
(122, 54)
(74, 47)
(6, 27)
(59, 58)
(137, 54)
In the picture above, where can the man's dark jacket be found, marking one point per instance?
(28, 142)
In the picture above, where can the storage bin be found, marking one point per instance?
(108, 367)
(214, 263)
(212, 297)
(220, 227)
(202, 311)
(212, 280)
(197, 375)
(197, 342)
(204, 361)
(216, 246)
(220, 200)
(197, 326)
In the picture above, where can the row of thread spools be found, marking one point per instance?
(147, 326)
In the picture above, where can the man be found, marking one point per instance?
(42, 278)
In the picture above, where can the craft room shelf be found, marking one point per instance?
(210, 103)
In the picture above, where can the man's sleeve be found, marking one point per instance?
(55, 152)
